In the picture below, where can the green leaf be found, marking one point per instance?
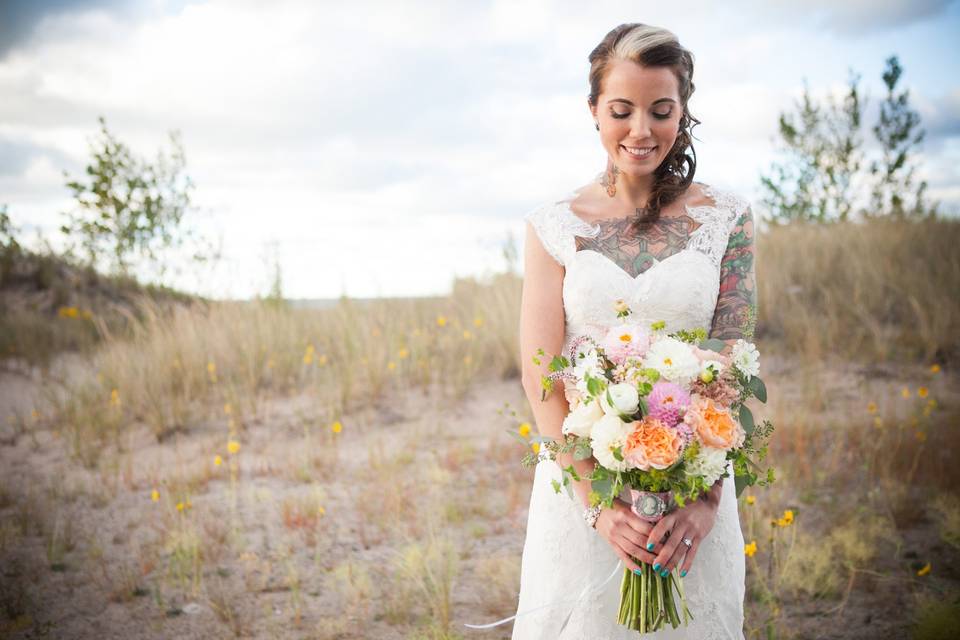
(603, 486)
(618, 454)
(741, 483)
(713, 344)
(746, 419)
(556, 486)
(583, 450)
(758, 389)
(573, 472)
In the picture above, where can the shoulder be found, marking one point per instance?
(734, 208)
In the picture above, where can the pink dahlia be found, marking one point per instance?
(667, 402)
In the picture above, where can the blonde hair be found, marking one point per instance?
(654, 47)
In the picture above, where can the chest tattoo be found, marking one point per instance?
(637, 251)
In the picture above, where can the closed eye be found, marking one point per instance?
(659, 116)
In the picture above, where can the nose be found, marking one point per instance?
(640, 125)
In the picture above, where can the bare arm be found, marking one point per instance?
(542, 326)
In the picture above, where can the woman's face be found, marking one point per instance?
(638, 108)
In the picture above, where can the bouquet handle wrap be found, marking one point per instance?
(651, 505)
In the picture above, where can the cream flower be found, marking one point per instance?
(710, 463)
(673, 359)
(580, 421)
(626, 399)
(609, 433)
(746, 358)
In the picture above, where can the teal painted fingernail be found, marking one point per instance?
(683, 573)
(649, 546)
(663, 574)
(636, 571)
(656, 567)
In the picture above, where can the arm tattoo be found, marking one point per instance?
(735, 315)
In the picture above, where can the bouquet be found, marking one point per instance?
(662, 414)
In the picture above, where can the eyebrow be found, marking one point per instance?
(625, 101)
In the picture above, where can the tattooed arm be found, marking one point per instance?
(735, 316)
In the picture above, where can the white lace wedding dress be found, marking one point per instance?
(561, 554)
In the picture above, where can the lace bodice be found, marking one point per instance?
(681, 289)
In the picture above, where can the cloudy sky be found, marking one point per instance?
(384, 148)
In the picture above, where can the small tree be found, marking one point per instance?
(898, 133)
(822, 155)
(130, 210)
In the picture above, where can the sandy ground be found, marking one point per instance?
(333, 576)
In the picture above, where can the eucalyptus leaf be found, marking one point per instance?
(741, 483)
(583, 450)
(602, 486)
(746, 419)
(713, 344)
(758, 388)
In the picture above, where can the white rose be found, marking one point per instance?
(626, 399)
(709, 463)
(609, 433)
(580, 421)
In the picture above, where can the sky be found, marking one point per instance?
(385, 148)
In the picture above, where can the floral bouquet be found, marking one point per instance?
(662, 414)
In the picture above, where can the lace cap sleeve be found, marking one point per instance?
(551, 233)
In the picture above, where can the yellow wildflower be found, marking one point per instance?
(788, 515)
(478, 321)
(751, 499)
(751, 548)
(155, 495)
(179, 506)
(217, 460)
(391, 365)
(934, 368)
(321, 510)
(115, 398)
(924, 570)
(227, 409)
(233, 446)
(211, 368)
(535, 446)
(878, 422)
(922, 392)
(905, 392)
(466, 334)
(403, 352)
(323, 359)
(524, 429)
(336, 427)
(441, 321)
(872, 407)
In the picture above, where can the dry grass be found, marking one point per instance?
(371, 491)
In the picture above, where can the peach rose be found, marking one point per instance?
(714, 424)
(651, 443)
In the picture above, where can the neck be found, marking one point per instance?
(633, 192)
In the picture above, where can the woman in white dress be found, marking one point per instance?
(675, 250)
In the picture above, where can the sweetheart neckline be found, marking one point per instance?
(635, 278)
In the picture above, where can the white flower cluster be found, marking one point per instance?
(673, 360)
(709, 463)
(746, 358)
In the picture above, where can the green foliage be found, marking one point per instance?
(9, 247)
(822, 175)
(131, 210)
(897, 132)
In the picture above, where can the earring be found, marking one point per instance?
(597, 125)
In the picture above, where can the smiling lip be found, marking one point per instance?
(640, 157)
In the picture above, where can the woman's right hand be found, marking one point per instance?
(626, 532)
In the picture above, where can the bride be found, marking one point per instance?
(674, 250)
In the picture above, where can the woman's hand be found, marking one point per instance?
(626, 532)
(693, 521)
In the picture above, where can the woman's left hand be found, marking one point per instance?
(693, 521)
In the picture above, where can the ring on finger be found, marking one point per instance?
(688, 542)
